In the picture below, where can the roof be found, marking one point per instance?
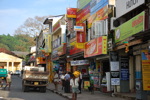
(3, 50)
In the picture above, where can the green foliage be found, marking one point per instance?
(19, 42)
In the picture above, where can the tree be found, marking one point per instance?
(32, 26)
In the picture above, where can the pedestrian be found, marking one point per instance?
(1, 82)
(8, 81)
(63, 80)
(74, 85)
(67, 82)
(56, 80)
(80, 81)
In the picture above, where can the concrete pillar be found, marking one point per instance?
(12, 67)
(7, 66)
(131, 73)
(20, 65)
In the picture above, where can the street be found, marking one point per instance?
(16, 93)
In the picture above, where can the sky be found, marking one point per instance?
(13, 13)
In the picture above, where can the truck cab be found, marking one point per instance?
(3, 73)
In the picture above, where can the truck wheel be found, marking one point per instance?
(25, 88)
(43, 89)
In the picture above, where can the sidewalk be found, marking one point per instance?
(86, 95)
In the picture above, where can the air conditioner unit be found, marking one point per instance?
(112, 27)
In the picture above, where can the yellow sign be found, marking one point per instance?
(146, 70)
(86, 84)
(80, 45)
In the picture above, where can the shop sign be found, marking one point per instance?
(75, 50)
(125, 6)
(82, 3)
(129, 28)
(78, 28)
(96, 5)
(48, 43)
(96, 46)
(79, 62)
(146, 69)
(83, 14)
(124, 74)
(114, 61)
(115, 81)
(71, 12)
(81, 37)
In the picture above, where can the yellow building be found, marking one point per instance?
(9, 60)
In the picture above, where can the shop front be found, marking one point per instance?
(96, 53)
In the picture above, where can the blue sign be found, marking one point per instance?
(124, 74)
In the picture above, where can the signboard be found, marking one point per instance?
(97, 4)
(115, 81)
(114, 61)
(75, 50)
(96, 47)
(81, 37)
(48, 43)
(79, 62)
(129, 28)
(124, 74)
(71, 12)
(146, 69)
(78, 28)
(124, 65)
(56, 26)
(124, 6)
(86, 84)
(82, 3)
(101, 14)
(83, 14)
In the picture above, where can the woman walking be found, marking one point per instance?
(56, 80)
(8, 81)
(74, 85)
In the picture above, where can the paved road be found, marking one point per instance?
(16, 93)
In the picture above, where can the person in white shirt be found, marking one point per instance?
(56, 80)
(74, 85)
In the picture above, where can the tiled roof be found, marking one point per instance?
(8, 52)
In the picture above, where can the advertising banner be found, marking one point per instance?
(75, 50)
(71, 12)
(129, 28)
(101, 14)
(96, 5)
(82, 3)
(83, 14)
(95, 47)
(146, 69)
(124, 65)
(124, 6)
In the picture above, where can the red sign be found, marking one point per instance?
(75, 50)
(83, 14)
(71, 12)
(81, 35)
(56, 26)
(96, 47)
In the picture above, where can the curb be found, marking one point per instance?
(126, 97)
(59, 93)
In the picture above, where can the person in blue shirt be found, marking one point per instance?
(67, 82)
